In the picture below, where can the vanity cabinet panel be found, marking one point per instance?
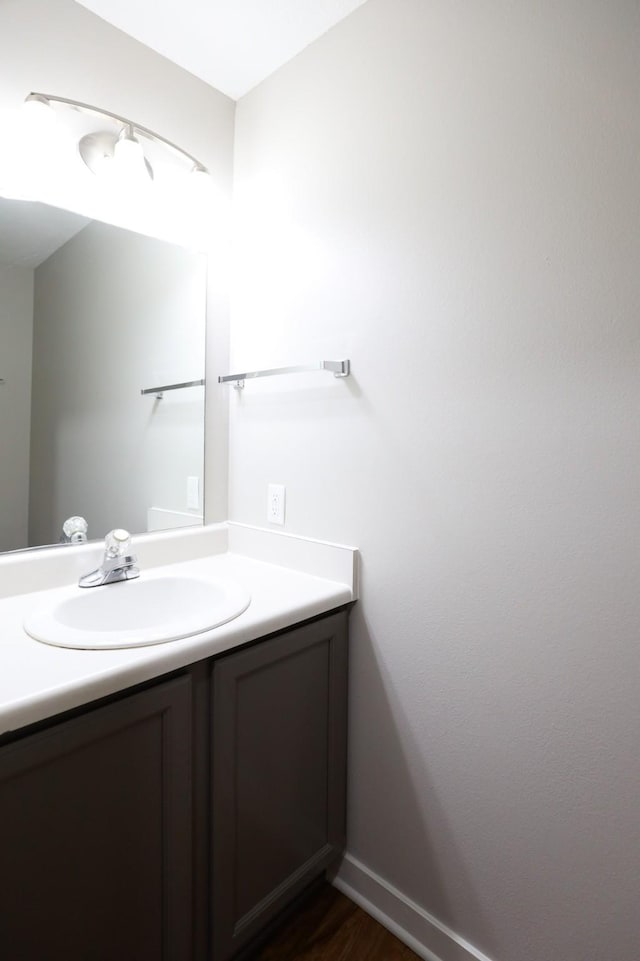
(278, 775)
(95, 829)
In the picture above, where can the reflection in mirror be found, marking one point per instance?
(91, 315)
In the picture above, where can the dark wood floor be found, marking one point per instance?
(330, 927)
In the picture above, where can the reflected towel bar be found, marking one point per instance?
(339, 368)
(159, 391)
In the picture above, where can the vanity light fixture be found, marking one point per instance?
(119, 148)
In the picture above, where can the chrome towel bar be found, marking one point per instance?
(339, 368)
(159, 391)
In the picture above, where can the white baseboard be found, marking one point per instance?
(415, 927)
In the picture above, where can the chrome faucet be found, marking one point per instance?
(118, 564)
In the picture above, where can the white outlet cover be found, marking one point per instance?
(276, 494)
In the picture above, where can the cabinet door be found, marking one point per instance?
(278, 774)
(95, 834)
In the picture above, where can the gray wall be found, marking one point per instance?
(16, 334)
(448, 194)
(114, 313)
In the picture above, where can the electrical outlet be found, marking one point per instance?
(275, 503)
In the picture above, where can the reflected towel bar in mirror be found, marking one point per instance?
(159, 391)
(339, 368)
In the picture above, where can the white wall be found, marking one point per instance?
(114, 313)
(447, 193)
(16, 334)
(58, 47)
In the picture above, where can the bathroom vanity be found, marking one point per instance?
(176, 817)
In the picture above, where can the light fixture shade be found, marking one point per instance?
(38, 112)
(96, 150)
(200, 185)
(201, 177)
(129, 160)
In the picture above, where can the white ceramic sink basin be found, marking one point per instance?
(135, 613)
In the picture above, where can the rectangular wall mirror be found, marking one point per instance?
(91, 315)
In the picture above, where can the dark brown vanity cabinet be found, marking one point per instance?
(278, 775)
(95, 833)
(174, 822)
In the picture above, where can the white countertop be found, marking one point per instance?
(38, 681)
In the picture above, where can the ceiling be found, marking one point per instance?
(31, 232)
(230, 44)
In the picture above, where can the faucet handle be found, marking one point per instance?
(117, 543)
(74, 530)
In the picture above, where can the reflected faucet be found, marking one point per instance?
(118, 564)
(74, 530)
